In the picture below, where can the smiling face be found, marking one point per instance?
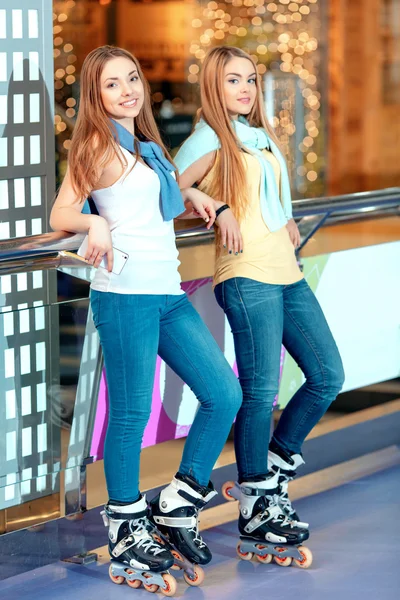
(240, 89)
(122, 90)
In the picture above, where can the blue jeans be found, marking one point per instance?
(262, 317)
(133, 329)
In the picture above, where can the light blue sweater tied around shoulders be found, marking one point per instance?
(276, 208)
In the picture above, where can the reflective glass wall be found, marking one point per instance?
(330, 71)
(171, 38)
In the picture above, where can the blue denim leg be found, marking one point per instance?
(188, 347)
(128, 327)
(255, 314)
(307, 337)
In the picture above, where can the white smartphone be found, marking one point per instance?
(120, 257)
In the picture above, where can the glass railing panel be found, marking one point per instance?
(47, 357)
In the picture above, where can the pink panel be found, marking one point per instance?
(160, 428)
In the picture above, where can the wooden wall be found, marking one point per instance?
(364, 133)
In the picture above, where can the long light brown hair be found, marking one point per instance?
(229, 183)
(93, 146)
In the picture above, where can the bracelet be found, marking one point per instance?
(220, 210)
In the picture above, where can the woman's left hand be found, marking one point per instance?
(199, 204)
(294, 232)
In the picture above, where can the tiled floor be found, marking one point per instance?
(355, 542)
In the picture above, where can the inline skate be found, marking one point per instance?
(266, 531)
(175, 513)
(286, 464)
(136, 557)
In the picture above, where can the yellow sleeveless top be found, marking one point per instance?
(267, 256)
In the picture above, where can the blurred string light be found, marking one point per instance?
(64, 72)
(281, 35)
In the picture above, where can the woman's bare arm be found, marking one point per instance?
(66, 215)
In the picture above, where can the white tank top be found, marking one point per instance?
(131, 207)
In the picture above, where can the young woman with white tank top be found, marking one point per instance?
(117, 157)
(139, 230)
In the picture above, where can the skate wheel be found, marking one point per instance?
(226, 489)
(152, 587)
(265, 559)
(171, 584)
(118, 579)
(134, 583)
(243, 555)
(283, 562)
(306, 560)
(177, 556)
(197, 578)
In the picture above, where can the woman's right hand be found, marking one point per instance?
(99, 243)
(231, 237)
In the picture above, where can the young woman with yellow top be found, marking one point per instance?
(234, 157)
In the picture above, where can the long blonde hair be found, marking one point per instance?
(229, 183)
(93, 123)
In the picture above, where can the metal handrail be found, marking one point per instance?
(44, 243)
(23, 253)
(357, 203)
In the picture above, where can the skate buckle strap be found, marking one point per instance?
(120, 516)
(197, 502)
(140, 537)
(287, 475)
(257, 521)
(186, 522)
(123, 545)
(273, 513)
(250, 491)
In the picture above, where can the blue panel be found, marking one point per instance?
(355, 533)
(62, 538)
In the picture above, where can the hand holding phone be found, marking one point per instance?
(120, 257)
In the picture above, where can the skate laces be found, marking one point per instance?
(284, 499)
(141, 527)
(195, 529)
(274, 511)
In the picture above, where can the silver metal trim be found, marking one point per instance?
(53, 250)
